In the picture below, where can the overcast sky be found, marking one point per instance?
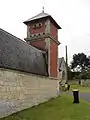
(72, 15)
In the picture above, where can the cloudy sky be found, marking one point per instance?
(72, 15)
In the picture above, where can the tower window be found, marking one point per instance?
(43, 33)
(34, 26)
(38, 25)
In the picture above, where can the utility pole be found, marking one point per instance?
(66, 65)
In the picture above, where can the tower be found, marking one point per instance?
(42, 33)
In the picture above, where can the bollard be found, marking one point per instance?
(76, 96)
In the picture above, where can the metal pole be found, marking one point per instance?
(66, 65)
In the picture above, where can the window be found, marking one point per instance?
(43, 33)
(34, 26)
(38, 25)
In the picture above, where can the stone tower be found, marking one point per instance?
(42, 33)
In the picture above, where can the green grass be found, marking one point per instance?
(60, 108)
(81, 88)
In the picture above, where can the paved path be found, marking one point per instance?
(84, 96)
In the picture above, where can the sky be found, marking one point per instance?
(72, 15)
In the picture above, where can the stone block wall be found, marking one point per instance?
(24, 90)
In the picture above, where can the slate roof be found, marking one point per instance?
(60, 60)
(40, 16)
(17, 54)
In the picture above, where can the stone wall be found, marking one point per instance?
(24, 90)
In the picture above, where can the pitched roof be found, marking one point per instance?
(40, 16)
(17, 54)
(60, 60)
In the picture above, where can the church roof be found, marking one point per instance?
(40, 16)
(17, 54)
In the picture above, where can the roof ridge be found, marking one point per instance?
(18, 55)
(10, 34)
(40, 15)
(61, 58)
(18, 38)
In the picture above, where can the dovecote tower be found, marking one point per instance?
(42, 33)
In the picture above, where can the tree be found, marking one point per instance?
(80, 62)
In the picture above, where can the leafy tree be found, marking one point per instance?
(81, 65)
(80, 62)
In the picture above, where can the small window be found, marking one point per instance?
(34, 26)
(40, 24)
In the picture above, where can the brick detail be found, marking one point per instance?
(53, 59)
(37, 30)
(47, 28)
(46, 41)
(53, 30)
(38, 44)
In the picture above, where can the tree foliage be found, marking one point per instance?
(80, 62)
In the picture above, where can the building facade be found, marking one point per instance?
(42, 33)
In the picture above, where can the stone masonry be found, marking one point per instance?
(21, 90)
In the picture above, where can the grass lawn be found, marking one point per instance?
(80, 88)
(60, 108)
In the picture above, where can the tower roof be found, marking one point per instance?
(41, 16)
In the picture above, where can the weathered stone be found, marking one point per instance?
(25, 90)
